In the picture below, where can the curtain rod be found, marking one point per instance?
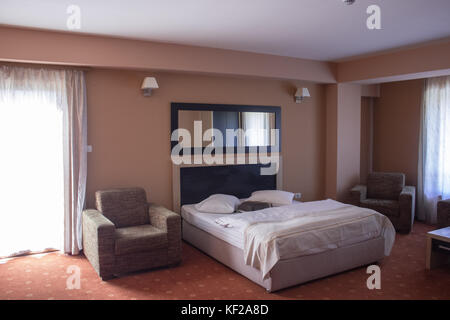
(43, 65)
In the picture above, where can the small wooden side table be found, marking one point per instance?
(438, 247)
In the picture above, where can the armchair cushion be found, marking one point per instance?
(386, 207)
(170, 222)
(139, 238)
(388, 186)
(124, 207)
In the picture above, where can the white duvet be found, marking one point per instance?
(305, 228)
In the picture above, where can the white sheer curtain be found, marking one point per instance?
(434, 154)
(75, 159)
(40, 141)
(257, 128)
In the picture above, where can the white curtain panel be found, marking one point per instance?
(75, 159)
(434, 148)
(43, 162)
(257, 128)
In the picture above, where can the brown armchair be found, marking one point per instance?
(127, 234)
(387, 194)
(443, 213)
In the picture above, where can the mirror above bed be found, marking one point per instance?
(243, 128)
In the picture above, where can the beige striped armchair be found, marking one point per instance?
(126, 233)
(386, 193)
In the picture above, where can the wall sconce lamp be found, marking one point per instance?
(148, 84)
(301, 94)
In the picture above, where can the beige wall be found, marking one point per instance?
(397, 128)
(343, 117)
(130, 134)
(331, 141)
(349, 138)
(68, 48)
(366, 138)
(426, 60)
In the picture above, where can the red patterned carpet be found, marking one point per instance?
(403, 276)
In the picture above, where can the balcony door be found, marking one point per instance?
(31, 172)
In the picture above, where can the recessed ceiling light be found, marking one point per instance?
(348, 2)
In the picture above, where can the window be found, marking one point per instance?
(31, 171)
(434, 167)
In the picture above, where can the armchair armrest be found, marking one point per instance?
(98, 242)
(407, 204)
(443, 213)
(358, 193)
(170, 222)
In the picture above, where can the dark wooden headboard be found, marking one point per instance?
(198, 183)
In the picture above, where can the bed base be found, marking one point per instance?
(289, 272)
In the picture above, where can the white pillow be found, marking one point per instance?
(218, 203)
(276, 197)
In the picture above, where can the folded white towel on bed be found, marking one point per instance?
(223, 223)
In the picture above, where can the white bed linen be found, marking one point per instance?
(307, 228)
(206, 222)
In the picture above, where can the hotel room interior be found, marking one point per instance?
(217, 150)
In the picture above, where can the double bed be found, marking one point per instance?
(283, 246)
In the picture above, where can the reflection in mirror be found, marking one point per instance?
(255, 126)
(186, 120)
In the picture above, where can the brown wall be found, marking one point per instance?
(130, 134)
(397, 128)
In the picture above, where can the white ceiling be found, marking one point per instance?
(311, 29)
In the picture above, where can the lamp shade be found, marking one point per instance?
(305, 92)
(302, 92)
(149, 83)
